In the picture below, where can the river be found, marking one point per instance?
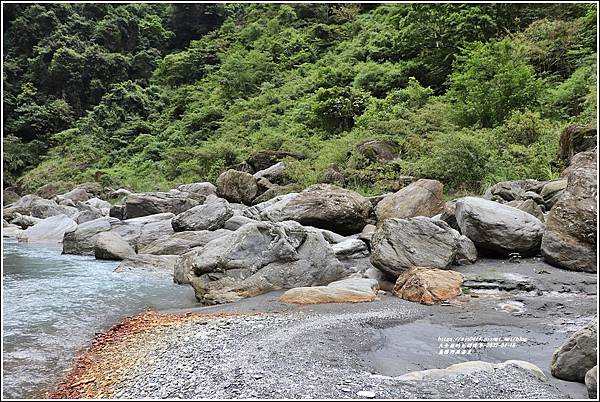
(54, 304)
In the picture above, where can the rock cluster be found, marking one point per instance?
(232, 239)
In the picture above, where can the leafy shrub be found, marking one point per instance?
(567, 99)
(458, 158)
(489, 82)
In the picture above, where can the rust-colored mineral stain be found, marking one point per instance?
(97, 369)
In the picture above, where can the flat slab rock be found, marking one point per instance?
(526, 274)
(351, 290)
(470, 367)
(160, 265)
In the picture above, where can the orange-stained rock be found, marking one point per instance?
(428, 285)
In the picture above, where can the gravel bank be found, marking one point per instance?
(299, 354)
(261, 348)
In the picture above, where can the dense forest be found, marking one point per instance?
(151, 95)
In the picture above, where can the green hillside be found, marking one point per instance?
(152, 95)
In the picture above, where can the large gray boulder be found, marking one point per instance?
(569, 240)
(257, 258)
(421, 198)
(9, 197)
(323, 206)
(182, 242)
(209, 216)
(350, 249)
(142, 231)
(552, 191)
(400, 244)
(498, 228)
(529, 206)
(111, 246)
(236, 186)
(203, 188)
(77, 194)
(272, 210)
(466, 252)
(88, 215)
(11, 231)
(367, 233)
(24, 206)
(117, 211)
(577, 355)
(27, 201)
(94, 189)
(82, 240)
(159, 265)
(143, 204)
(49, 230)
(99, 204)
(378, 150)
(448, 214)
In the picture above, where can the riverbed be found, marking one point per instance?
(54, 304)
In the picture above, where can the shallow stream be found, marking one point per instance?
(54, 304)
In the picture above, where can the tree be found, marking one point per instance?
(489, 82)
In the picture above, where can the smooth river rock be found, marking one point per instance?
(470, 367)
(498, 228)
(323, 206)
(111, 246)
(572, 360)
(422, 198)
(351, 290)
(209, 216)
(142, 204)
(400, 244)
(257, 258)
(591, 382)
(83, 239)
(49, 230)
(202, 188)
